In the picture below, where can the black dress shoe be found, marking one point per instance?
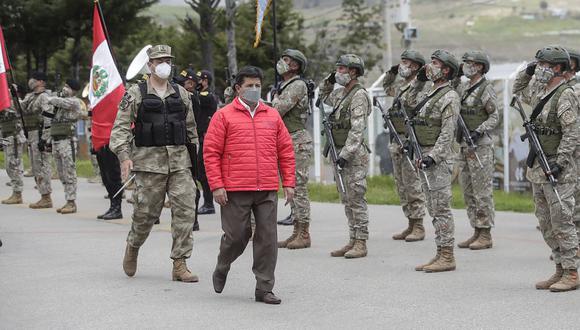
(267, 297)
(286, 221)
(206, 209)
(113, 214)
(219, 281)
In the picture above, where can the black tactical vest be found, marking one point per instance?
(160, 122)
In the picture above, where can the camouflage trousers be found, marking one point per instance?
(41, 164)
(62, 151)
(13, 162)
(149, 197)
(302, 142)
(576, 217)
(556, 223)
(354, 175)
(408, 184)
(439, 202)
(477, 184)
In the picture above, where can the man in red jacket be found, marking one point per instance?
(246, 148)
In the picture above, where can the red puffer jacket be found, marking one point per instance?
(242, 153)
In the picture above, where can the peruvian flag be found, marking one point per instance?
(106, 86)
(4, 91)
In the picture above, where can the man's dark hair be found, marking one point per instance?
(248, 72)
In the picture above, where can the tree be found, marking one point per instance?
(204, 28)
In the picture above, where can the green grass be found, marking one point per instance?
(84, 167)
(380, 190)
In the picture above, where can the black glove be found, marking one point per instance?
(422, 75)
(555, 170)
(41, 145)
(428, 162)
(341, 162)
(475, 135)
(331, 78)
(394, 69)
(531, 68)
(460, 71)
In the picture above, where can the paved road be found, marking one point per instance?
(64, 271)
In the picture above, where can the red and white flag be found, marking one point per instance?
(4, 66)
(106, 86)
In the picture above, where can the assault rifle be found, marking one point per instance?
(417, 152)
(392, 131)
(471, 146)
(535, 146)
(330, 147)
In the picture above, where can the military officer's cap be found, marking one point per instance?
(205, 74)
(184, 75)
(159, 51)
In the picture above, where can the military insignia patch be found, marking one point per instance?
(126, 101)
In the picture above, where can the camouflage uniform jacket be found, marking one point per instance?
(294, 97)
(65, 110)
(163, 159)
(9, 116)
(446, 109)
(567, 113)
(36, 104)
(489, 101)
(360, 109)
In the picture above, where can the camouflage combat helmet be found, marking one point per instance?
(575, 55)
(448, 59)
(477, 57)
(554, 55)
(297, 56)
(352, 61)
(413, 55)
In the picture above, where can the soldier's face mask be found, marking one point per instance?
(32, 83)
(469, 69)
(342, 78)
(405, 71)
(163, 70)
(282, 67)
(544, 74)
(433, 72)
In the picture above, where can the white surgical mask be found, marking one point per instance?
(282, 67)
(251, 95)
(433, 72)
(163, 70)
(544, 74)
(405, 71)
(469, 70)
(342, 78)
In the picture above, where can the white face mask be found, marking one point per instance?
(469, 70)
(163, 70)
(405, 71)
(433, 72)
(342, 78)
(251, 95)
(282, 67)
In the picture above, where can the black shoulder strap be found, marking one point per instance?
(290, 83)
(354, 89)
(143, 88)
(540, 106)
(425, 100)
(472, 89)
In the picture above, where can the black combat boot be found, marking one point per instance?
(115, 211)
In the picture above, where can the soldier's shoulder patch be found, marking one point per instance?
(568, 117)
(127, 99)
(205, 93)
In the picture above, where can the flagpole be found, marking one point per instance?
(106, 31)
(15, 95)
(275, 42)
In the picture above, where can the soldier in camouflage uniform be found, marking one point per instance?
(291, 101)
(351, 107)
(479, 112)
(573, 81)
(67, 110)
(164, 129)
(13, 137)
(434, 123)
(400, 83)
(33, 105)
(555, 118)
